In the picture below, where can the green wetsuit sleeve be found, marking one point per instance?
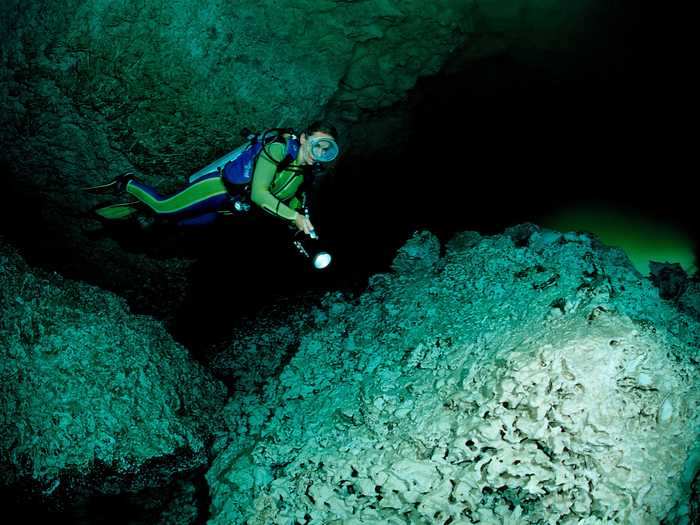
(262, 180)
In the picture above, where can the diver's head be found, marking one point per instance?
(318, 144)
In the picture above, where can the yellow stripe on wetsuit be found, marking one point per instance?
(198, 192)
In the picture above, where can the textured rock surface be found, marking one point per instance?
(92, 396)
(159, 85)
(89, 89)
(530, 377)
(261, 346)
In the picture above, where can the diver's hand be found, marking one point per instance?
(303, 223)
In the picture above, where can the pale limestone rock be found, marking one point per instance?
(481, 405)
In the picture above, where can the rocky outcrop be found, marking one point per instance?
(93, 397)
(520, 378)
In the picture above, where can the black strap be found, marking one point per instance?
(279, 138)
(284, 163)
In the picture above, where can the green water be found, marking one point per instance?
(644, 239)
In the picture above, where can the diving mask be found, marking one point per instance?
(322, 149)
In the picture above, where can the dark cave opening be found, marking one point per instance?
(502, 142)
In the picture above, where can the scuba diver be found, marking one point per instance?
(272, 170)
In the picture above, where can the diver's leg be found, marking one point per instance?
(206, 195)
(199, 220)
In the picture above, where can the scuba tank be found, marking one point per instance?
(236, 167)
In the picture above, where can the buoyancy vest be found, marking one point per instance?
(236, 167)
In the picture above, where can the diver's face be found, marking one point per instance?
(305, 155)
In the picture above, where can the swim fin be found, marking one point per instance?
(119, 211)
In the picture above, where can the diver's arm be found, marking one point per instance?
(303, 223)
(262, 179)
(302, 220)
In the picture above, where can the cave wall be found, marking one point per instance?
(90, 89)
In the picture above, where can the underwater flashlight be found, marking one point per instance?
(320, 259)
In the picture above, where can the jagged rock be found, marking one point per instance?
(420, 253)
(520, 384)
(521, 233)
(261, 346)
(670, 279)
(93, 397)
(690, 300)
